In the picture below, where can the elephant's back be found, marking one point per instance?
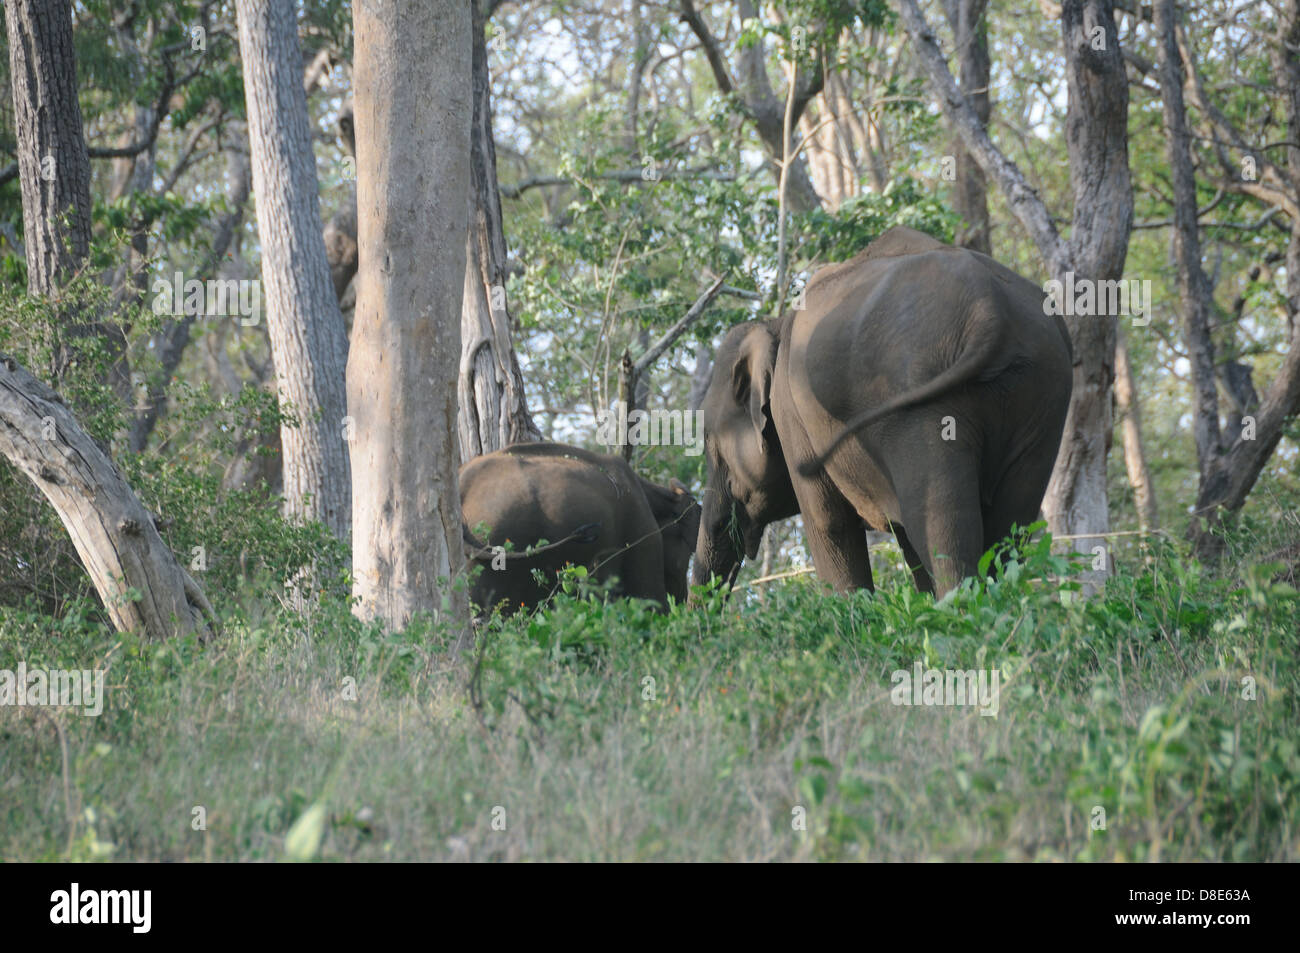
(892, 324)
(527, 497)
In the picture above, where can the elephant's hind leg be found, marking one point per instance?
(1019, 494)
(945, 524)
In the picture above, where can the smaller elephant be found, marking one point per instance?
(583, 508)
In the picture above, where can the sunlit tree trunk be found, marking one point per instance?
(413, 115)
(303, 321)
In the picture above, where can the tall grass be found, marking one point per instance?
(1155, 721)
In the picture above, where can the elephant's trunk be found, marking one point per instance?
(719, 547)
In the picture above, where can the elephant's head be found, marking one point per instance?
(678, 516)
(749, 484)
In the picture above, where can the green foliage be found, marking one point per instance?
(842, 234)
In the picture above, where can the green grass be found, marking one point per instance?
(604, 732)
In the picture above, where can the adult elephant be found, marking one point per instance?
(556, 505)
(923, 388)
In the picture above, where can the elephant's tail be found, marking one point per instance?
(968, 367)
(477, 549)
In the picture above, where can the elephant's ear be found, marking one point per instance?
(751, 382)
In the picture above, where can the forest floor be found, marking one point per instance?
(1156, 721)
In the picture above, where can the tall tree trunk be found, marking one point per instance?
(1096, 133)
(970, 189)
(1193, 284)
(493, 406)
(302, 313)
(53, 166)
(143, 587)
(413, 116)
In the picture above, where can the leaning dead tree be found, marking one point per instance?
(143, 587)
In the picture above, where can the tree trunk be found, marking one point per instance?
(53, 166)
(413, 116)
(1076, 502)
(1228, 475)
(1135, 457)
(1193, 285)
(970, 188)
(303, 319)
(493, 405)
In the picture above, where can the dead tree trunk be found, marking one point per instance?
(493, 406)
(141, 584)
(413, 114)
(302, 313)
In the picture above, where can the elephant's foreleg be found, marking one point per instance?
(836, 540)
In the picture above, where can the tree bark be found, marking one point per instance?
(304, 323)
(1096, 133)
(970, 189)
(493, 405)
(413, 115)
(53, 165)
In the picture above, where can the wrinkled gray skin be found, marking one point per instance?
(590, 508)
(853, 390)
